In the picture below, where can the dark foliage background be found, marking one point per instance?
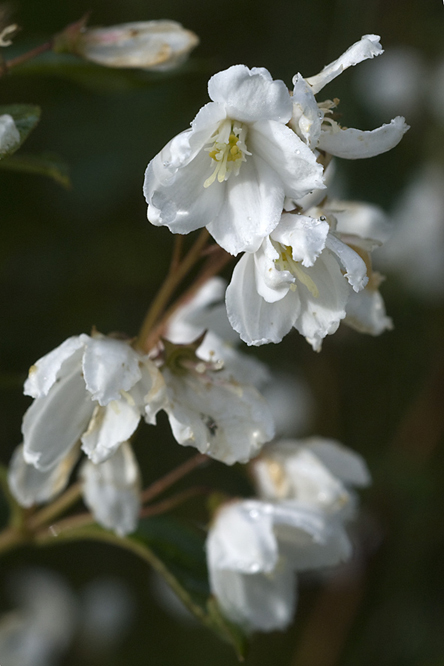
(71, 259)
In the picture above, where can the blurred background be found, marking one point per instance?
(84, 256)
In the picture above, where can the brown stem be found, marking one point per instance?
(169, 479)
(33, 53)
(212, 267)
(175, 500)
(177, 253)
(173, 279)
(46, 515)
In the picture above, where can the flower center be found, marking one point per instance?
(285, 262)
(228, 151)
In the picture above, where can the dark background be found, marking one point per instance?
(71, 259)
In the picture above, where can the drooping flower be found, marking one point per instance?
(315, 123)
(254, 550)
(212, 411)
(295, 279)
(317, 471)
(90, 388)
(233, 169)
(111, 490)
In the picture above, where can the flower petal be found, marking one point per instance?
(367, 47)
(307, 117)
(45, 372)
(344, 463)
(366, 312)
(109, 367)
(111, 490)
(30, 485)
(356, 269)
(250, 94)
(54, 423)
(251, 207)
(305, 235)
(353, 144)
(257, 321)
(288, 156)
(109, 427)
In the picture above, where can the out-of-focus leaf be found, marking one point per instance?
(102, 79)
(177, 553)
(46, 164)
(26, 117)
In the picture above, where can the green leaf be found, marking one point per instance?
(26, 117)
(46, 164)
(177, 553)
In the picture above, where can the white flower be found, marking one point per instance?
(233, 169)
(216, 414)
(9, 134)
(295, 279)
(30, 485)
(89, 388)
(313, 122)
(111, 490)
(316, 471)
(154, 45)
(253, 551)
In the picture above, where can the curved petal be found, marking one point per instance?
(256, 321)
(257, 602)
(367, 47)
(54, 423)
(46, 370)
(149, 394)
(250, 94)
(365, 220)
(344, 463)
(356, 269)
(307, 116)
(111, 490)
(272, 284)
(242, 539)
(30, 485)
(353, 144)
(366, 313)
(109, 427)
(288, 156)
(251, 207)
(305, 235)
(321, 314)
(109, 367)
(222, 418)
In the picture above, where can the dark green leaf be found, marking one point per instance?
(46, 164)
(26, 117)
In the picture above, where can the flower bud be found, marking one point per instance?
(154, 45)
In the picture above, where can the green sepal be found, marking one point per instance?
(26, 118)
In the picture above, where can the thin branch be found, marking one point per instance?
(64, 502)
(29, 55)
(172, 477)
(175, 500)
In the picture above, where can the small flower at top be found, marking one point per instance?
(315, 123)
(233, 169)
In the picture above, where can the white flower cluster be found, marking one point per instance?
(251, 170)
(256, 547)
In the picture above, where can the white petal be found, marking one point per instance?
(257, 602)
(344, 463)
(31, 486)
(109, 367)
(241, 538)
(47, 369)
(109, 427)
(367, 47)
(251, 207)
(320, 315)
(153, 389)
(54, 423)
(356, 270)
(307, 117)
(366, 312)
(363, 219)
(305, 235)
(9, 134)
(111, 490)
(272, 284)
(256, 321)
(288, 156)
(250, 94)
(353, 144)
(226, 420)
(308, 536)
